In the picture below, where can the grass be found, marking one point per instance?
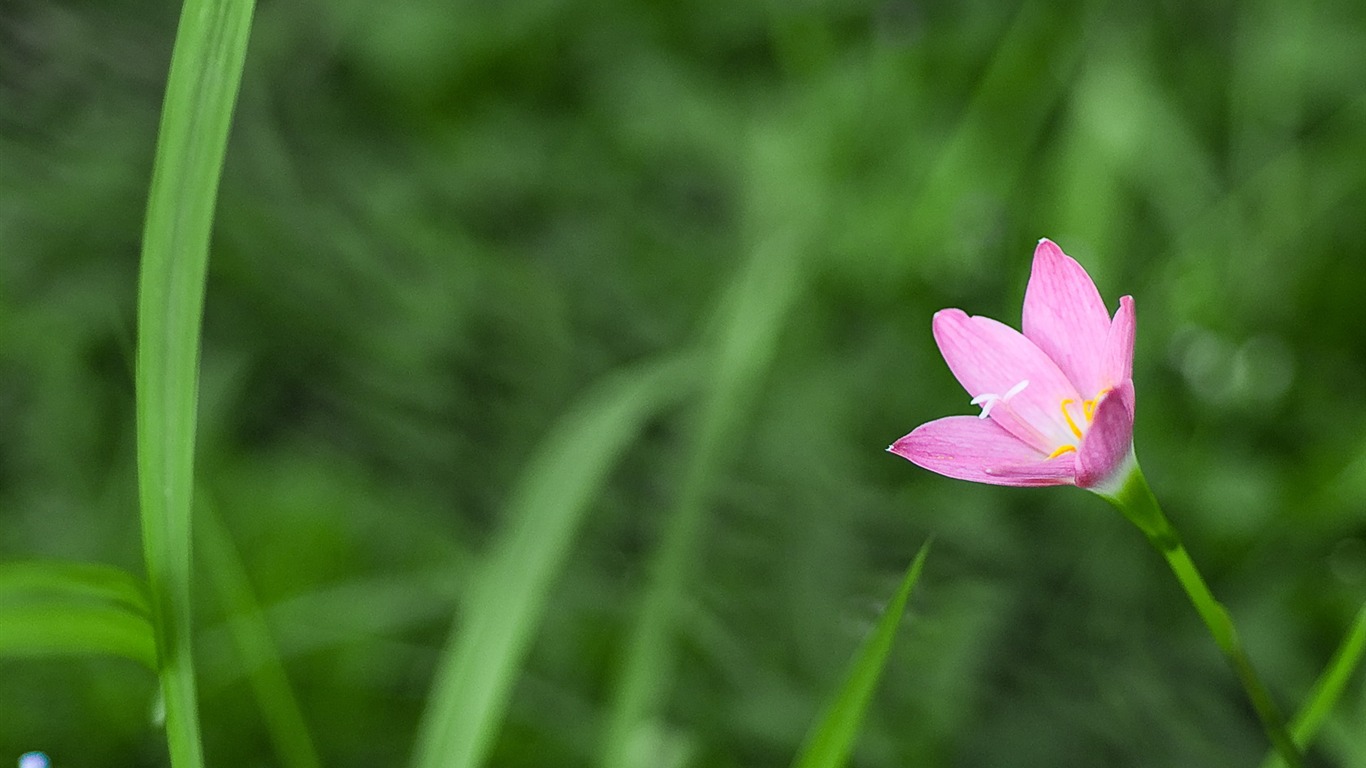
(201, 91)
(830, 742)
(256, 649)
(508, 595)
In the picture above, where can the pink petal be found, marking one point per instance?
(969, 448)
(990, 357)
(1065, 316)
(1059, 470)
(1119, 345)
(1110, 440)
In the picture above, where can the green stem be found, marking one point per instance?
(1135, 499)
(201, 90)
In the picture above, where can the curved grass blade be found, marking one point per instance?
(1305, 725)
(201, 89)
(56, 609)
(831, 738)
(748, 324)
(86, 581)
(64, 628)
(380, 607)
(251, 636)
(507, 594)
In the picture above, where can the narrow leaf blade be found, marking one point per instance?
(508, 594)
(832, 736)
(87, 581)
(256, 649)
(59, 609)
(1324, 695)
(201, 92)
(60, 628)
(748, 325)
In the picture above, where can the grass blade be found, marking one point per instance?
(86, 581)
(55, 609)
(831, 738)
(509, 591)
(61, 628)
(1305, 725)
(251, 636)
(201, 89)
(748, 324)
(384, 607)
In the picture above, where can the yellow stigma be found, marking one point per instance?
(1072, 425)
(1088, 407)
(1088, 411)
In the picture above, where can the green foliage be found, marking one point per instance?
(507, 597)
(1328, 689)
(831, 739)
(442, 223)
(67, 608)
(745, 327)
(201, 90)
(257, 655)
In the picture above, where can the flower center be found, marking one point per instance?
(988, 400)
(1088, 414)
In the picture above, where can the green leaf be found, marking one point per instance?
(56, 628)
(508, 593)
(260, 660)
(55, 609)
(88, 581)
(832, 736)
(201, 89)
(747, 327)
(1305, 725)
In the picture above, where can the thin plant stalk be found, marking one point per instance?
(1136, 500)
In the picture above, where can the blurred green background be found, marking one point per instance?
(444, 223)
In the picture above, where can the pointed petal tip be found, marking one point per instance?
(1048, 248)
(949, 312)
(1124, 315)
(1065, 315)
(1118, 364)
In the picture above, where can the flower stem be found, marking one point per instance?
(1135, 499)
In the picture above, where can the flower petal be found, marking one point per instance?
(1059, 470)
(969, 448)
(1119, 346)
(1110, 441)
(1065, 316)
(990, 357)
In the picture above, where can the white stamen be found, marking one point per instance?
(987, 399)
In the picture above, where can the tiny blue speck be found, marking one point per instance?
(33, 760)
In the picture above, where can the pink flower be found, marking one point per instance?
(1057, 401)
